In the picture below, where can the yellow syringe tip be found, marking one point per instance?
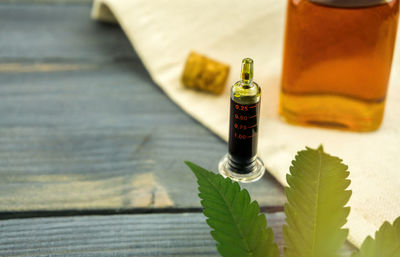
(247, 70)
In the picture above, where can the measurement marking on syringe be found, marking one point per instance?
(253, 126)
(254, 106)
(253, 116)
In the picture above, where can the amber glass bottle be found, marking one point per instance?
(337, 62)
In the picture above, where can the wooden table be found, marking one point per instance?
(92, 151)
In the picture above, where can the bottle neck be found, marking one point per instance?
(246, 84)
(350, 3)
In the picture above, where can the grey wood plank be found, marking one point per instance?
(82, 125)
(120, 235)
(101, 137)
(58, 32)
(64, 2)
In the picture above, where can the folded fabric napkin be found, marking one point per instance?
(163, 34)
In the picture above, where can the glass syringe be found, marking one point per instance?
(241, 163)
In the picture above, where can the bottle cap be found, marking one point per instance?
(350, 3)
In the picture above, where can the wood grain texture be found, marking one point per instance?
(59, 32)
(120, 235)
(101, 138)
(83, 127)
(63, 2)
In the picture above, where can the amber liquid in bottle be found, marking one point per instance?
(337, 63)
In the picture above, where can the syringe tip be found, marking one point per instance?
(247, 70)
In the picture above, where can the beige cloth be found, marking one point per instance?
(163, 33)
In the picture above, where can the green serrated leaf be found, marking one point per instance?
(238, 227)
(385, 244)
(315, 211)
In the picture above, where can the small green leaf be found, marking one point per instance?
(315, 211)
(385, 244)
(238, 227)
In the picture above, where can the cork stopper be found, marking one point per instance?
(205, 74)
